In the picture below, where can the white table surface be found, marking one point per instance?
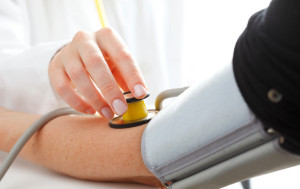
(26, 175)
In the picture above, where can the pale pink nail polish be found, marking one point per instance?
(119, 106)
(139, 90)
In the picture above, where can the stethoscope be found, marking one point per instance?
(137, 114)
(101, 13)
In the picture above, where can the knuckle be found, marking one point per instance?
(93, 60)
(81, 35)
(107, 88)
(75, 72)
(95, 100)
(124, 56)
(105, 31)
(132, 76)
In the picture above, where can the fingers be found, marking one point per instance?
(82, 81)
(127, 71)
(68, 75)
(98, 69)
(81, 63)
(62, 85)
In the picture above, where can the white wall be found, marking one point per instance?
(211, 28)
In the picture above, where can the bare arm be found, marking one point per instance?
(80, 146)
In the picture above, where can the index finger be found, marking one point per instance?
(109, 42)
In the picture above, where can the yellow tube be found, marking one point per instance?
(101, 13)
(136, 110)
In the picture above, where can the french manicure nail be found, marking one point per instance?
(139, 90)
(107, 112)
(119, 106)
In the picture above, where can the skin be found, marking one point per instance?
(89, 71)
(83, 147)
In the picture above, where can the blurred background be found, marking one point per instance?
(211, 29)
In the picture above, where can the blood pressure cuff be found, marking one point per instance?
(208, 138)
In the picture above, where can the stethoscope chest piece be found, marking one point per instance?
(136, 115)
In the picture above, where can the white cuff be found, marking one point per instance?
(205, 124)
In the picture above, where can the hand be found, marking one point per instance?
(89, 71)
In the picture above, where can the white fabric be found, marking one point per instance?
(31, 31)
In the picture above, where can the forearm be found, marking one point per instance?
(12, 126)
(82, 147)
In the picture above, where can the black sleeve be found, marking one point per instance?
(266, 65)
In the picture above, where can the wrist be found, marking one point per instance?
(3, 129)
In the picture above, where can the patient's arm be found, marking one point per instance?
(80, 146)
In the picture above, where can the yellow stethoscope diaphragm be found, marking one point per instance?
(136, 114)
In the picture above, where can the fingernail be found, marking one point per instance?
(139, 90)
(119, 106)
(90, 111)
(107, 112)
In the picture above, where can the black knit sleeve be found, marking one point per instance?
(266, 65)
